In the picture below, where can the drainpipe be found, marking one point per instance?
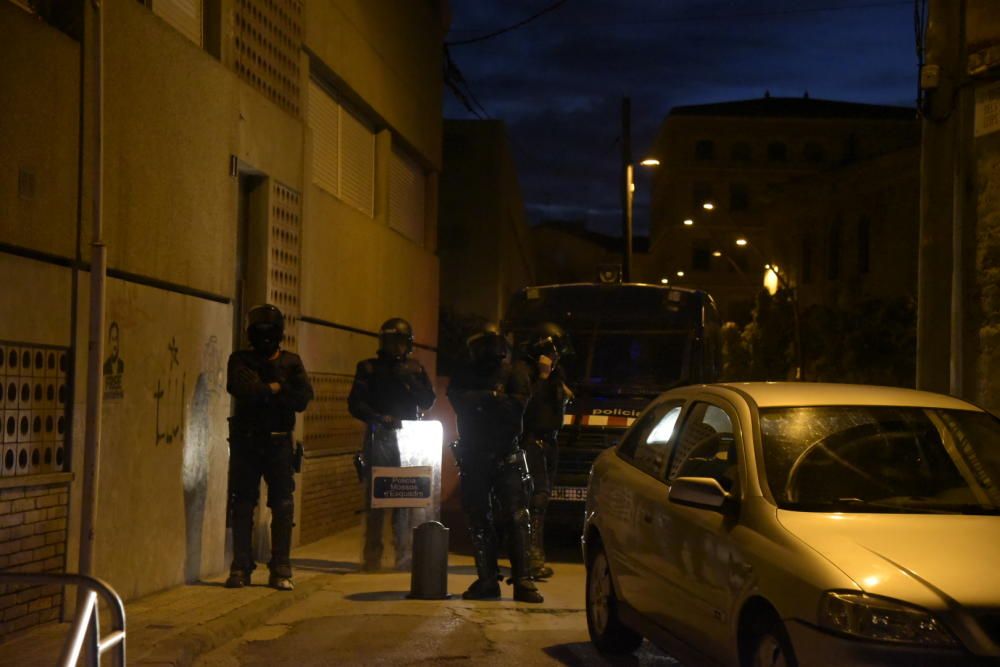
(960, 210)
(98, 269)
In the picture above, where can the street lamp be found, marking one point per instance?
(680, 274)
(708, 206)
(650, 162)
(782, 281)
(664, 281)
(688, 222)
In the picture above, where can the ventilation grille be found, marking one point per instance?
(267, 40)
(329, 427)
(33, 409)
(284, 258)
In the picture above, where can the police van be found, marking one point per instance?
(630, 342)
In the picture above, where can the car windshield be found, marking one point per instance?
(627, 360)
(882, 459)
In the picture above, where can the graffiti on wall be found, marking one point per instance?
(169, 397)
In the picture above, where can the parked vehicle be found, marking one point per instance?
(799, 524)
(631, 342)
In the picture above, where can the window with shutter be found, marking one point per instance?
(184, 15)
(324, 119)
(357, 163)
(407, 185)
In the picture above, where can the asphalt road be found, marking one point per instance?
(365, 619)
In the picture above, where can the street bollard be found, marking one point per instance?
(429, 576)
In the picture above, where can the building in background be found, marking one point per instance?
(254, 151)
(485, 246)
(845, 240)
(722, 164)
(568, 252)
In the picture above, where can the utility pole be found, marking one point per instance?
(98, 270)
(939, 79)
(626, 180)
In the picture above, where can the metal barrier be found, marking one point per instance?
(85, 633)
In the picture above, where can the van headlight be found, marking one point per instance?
(881, 619)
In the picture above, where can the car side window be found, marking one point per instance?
(650, 442)
(706, 447)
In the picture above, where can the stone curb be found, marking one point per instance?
(184, 647)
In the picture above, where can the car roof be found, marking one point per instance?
(786, 394)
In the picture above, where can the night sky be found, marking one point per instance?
(558, 81)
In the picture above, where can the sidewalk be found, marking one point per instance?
(175, 626)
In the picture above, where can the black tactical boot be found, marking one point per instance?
(537, 568)
(243, 565)
(281, 546)
(238, 579)
(525, 591)
(483, 589)
(487, 585)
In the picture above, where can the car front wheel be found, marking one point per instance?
(773, 649)
(607, 632)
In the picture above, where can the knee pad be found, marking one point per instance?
(283, 509)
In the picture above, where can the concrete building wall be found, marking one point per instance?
(882, 194)
(723, 158)
(178, 120)
(484, 242)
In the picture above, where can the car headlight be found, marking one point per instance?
(881, 619)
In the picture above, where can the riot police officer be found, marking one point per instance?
(388, 389)
(543, 417)
(269, 385)
(489, 395)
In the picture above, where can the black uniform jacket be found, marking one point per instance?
(258, 410)
(545, 411)
(489, 405)
(399, 389)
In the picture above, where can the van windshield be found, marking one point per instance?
(882, 459)
(627, 360)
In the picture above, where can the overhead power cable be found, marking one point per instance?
(496, 33)
(706, 17)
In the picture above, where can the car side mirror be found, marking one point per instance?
(703, 492)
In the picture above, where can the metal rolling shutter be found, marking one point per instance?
(324, 119)
(185, 15)
(357, 163)
(407, 186)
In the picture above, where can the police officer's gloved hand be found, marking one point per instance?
(389, 421)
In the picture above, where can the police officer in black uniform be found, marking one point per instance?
(388, 389)
(489, 395)
(543, 418)
(268, 385)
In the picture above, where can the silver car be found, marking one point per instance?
(799, 524)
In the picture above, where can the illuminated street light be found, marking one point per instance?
(680, 274)
(741, 242)
(650, 162)
(771, 282)
(708, 206)
(716, 253)
(664, 281)
(688, 222)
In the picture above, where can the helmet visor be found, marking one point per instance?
(395, 345)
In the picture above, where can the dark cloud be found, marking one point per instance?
(558, 81)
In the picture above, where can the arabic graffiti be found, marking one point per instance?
(169, 397)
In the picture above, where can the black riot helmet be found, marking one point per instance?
(487, 346)
(395, 339)
(547, 339)
(265, 328)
